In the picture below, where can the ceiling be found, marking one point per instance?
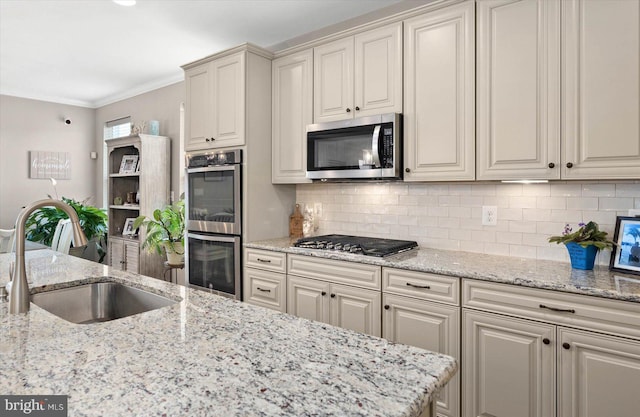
(94, 52)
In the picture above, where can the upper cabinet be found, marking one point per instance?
(359, 76)
(292, 80)
(439, 94)
(558, 89)
(215, 102)
(601, 80)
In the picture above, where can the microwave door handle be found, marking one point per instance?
(375, 150)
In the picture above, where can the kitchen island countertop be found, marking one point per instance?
(550, 275)
(204, 356)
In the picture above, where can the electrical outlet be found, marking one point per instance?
(317, 208)
(172, 196)
(489, 215)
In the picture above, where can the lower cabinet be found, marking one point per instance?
(344, 306)
(517, 367)
(427, 325)
(264, 279)
(124, 254)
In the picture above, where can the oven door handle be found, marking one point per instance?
(216, 238)
(375, 150)
(213, 168)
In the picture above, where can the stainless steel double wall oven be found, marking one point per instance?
(214, 221)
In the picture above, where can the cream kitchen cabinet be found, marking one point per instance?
(359, 76)
(557, 89)
(215, 102)
(340, 305)
(124, 254)
(292, 80)
(439, 95)
(411, 317)
(523, 348)
(344, 294)
(264, 279)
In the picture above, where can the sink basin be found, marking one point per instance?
(97, 302)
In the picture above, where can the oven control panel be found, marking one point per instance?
(215, 158)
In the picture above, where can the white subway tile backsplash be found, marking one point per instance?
(448, 216)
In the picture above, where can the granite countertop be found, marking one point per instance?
(549, 275)
(204, 356)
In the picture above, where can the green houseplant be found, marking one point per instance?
(41, 225)
(165, 231)
(583, 244)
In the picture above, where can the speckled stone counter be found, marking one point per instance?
(533, 273)
(204, 356)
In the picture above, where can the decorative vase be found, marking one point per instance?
(581, 258)
(175, 252)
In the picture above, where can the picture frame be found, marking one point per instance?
(625, 256)
(128, 164)
(127, 229)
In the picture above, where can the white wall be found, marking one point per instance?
(448, 216)
(31, 125)
(162, 105)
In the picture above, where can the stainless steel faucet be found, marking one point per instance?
(19, 298)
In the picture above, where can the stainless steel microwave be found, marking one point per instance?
(361, 148)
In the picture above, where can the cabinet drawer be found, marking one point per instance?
(421, 285)
(265, 288)
(264, 259)
(583, 311)
(341, 272)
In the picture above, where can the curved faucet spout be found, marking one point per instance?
(19, 299)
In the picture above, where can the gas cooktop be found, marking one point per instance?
(369, 246)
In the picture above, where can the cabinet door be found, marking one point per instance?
(132, 257)
(292, 112)
(508, 366)
(430, 326)
(439, 108)
(198, 108)
(116, 254)
(597, 375)
(378, 71)
(601, 80)
(229, 100)
(355, 309)
(308, 298)
(333, 81)
(518, 100)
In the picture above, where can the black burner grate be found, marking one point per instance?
(369, 246)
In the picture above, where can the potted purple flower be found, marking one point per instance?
(583, 245)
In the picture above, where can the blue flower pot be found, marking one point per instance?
(581, 258)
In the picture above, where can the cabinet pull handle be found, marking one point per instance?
(266, 261)
(387, 307)
(566, 345)
(546, 341)
(122, 262)
(552, 165)
(560, 310)
(427, 287)
(333, 296)
(324, 293)
(569, 164)
(357, 108)
(407, 170)
(261, 289)
(348, 110)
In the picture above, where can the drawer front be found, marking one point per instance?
(265, 288)
(421, 285)
(582, 311)
(341, 272)
(264, 259)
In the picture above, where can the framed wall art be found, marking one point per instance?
(625, 257)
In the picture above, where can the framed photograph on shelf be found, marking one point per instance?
(128, 164)
(128, 229)
(625, 256)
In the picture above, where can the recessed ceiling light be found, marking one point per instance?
(125, 2)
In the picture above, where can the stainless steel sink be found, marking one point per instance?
(97, 302)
